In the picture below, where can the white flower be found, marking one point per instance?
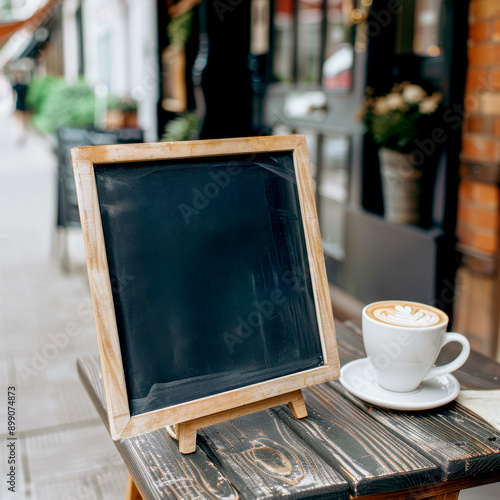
(437, 97)
(428, 106)
(413, 94)
(381, 106)
(395, 101)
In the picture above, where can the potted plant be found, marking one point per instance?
(121, 112)
(402, 124)
(129, 107)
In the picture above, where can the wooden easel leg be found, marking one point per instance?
(132, 491)
(187, 437)
(185, 432)
(298, 405)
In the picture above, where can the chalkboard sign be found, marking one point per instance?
(207, 276)
(67, 205)
(68, 138)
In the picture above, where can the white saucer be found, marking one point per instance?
(358, 378)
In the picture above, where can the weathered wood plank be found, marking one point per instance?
(157, 467)
(453, 437)
(159, 470)
(263, 458)
(362, 450)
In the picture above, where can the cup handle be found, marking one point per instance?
(455, 364)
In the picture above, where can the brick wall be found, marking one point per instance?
(479, 201)
(478, 215)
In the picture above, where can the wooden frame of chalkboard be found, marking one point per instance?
(87, 160)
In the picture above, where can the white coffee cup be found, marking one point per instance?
(402, 341)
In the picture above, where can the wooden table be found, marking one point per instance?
(344, 448)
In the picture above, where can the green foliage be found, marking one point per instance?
(397, 119)
(113, 102)
(179, 29)
(396, 130)
(181, 128)
(38, 91)
(65, 105)
(125, 104)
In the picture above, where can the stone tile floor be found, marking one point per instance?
(63, 451)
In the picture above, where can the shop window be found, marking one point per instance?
(310, 16)
(333, 192)
(427, 34)
(283, 41)
(313, 42)
(339, 53)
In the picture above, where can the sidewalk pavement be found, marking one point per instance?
(63, 451)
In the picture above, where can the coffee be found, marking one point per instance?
(402, 341)
(407, 314)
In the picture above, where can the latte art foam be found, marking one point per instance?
(405, 314)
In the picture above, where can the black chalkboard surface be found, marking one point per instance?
(67, 204)
(207, 278)
(216, 275)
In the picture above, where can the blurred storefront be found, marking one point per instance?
(111, 43)
(227, 68)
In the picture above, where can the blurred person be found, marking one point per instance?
(20, 115)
